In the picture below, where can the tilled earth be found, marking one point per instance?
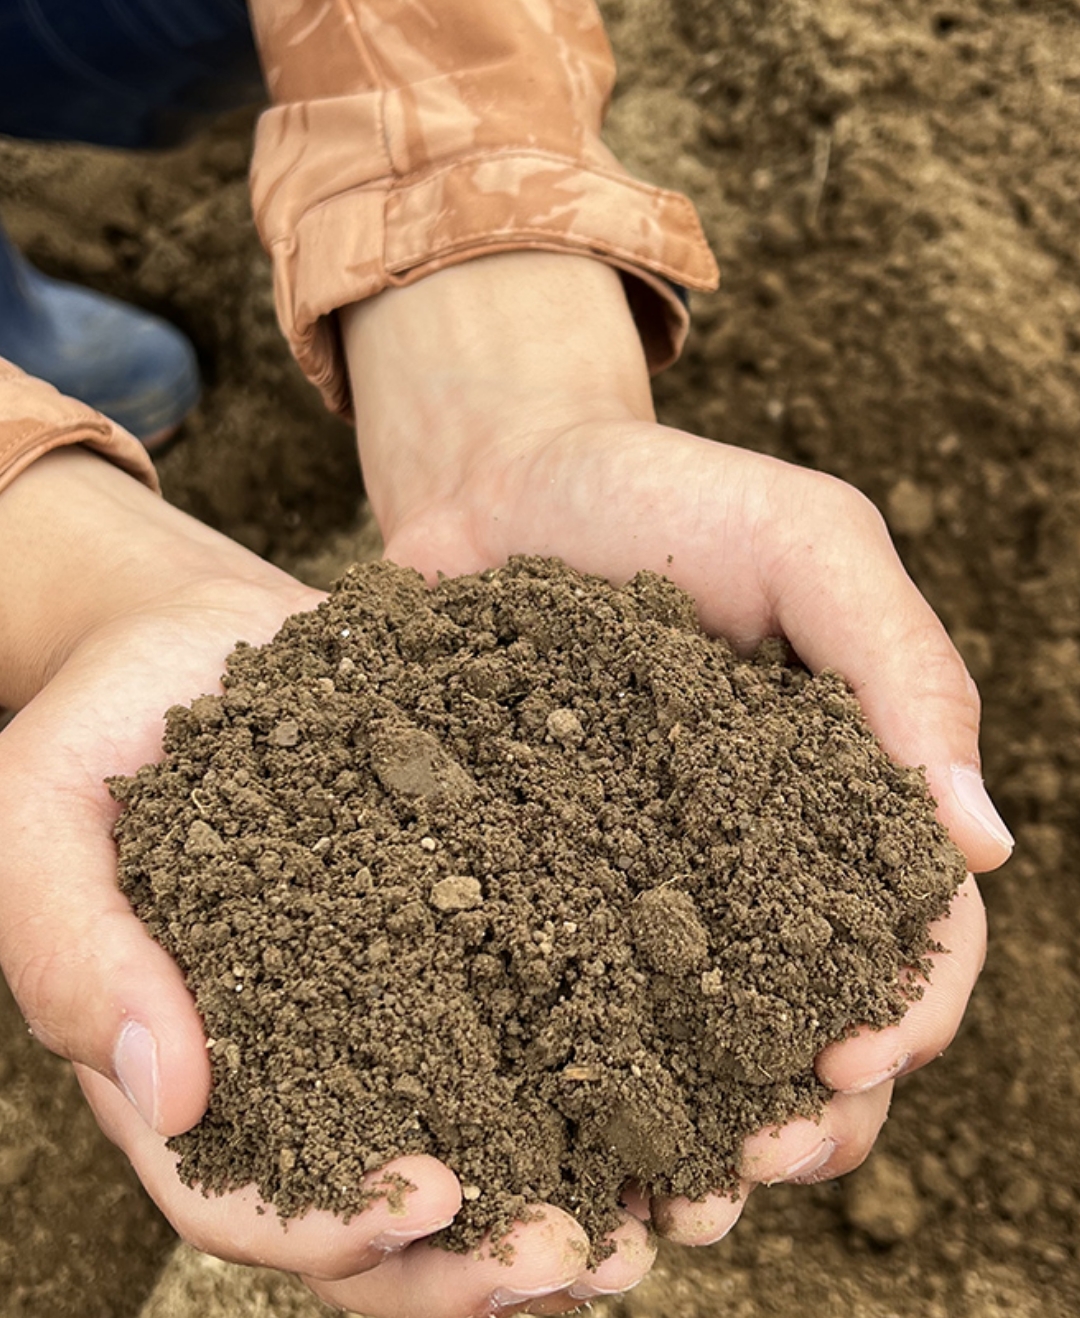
(890, 188)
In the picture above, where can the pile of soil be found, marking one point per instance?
(529, 874)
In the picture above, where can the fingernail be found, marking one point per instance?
(390, 1242)
(506, 1296)
(880, 1077)
(812, 1162)
(973, 797)
(583, 1290)
(135, 1065)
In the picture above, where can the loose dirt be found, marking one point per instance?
(891, 189)
(527, 873)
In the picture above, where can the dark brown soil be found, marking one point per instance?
(891, 188)
(529, 874)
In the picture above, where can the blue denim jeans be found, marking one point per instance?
(123, 73)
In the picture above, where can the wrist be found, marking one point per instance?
(459, 378)
(83, 545)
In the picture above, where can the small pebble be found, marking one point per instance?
(564, 726)
(581, 1072)
(459, 892)
(1021, 1196)
(202, 840)
(287, 733)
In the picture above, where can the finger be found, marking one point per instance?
(629, 1264)
(806, 1151)
(90, 981)
(844, 600)
(423, 1281)
(850, 1124)
(633, 1255)
(930, 1023)
(698, 1222)
(232, 1226)
(783, 1153)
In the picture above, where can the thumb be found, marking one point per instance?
(91, 983)
(845, 602)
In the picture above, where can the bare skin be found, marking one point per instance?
(503, 407)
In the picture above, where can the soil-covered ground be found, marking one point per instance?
(891, 190)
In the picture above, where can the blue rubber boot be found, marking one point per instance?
(136, 368)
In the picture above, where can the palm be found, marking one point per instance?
(101, 715)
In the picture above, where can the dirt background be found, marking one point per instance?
(891, 190)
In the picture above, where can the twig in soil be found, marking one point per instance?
(819, 175)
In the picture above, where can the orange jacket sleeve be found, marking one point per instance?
(35, 418)
(408, 135)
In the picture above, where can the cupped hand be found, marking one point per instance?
(503, 407)
(766, 548)
(145, 607)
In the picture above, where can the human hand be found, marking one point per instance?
(125, 607)
(503, 408)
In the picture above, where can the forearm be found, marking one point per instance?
(404, 140)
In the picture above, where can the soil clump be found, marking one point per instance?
(528, 873)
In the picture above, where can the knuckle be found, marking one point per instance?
(37, 985)
(57, 972)
(945, 680)
(850, 509)
(826, 524)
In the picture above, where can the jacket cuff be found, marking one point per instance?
(35, 418)
(395, 230)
